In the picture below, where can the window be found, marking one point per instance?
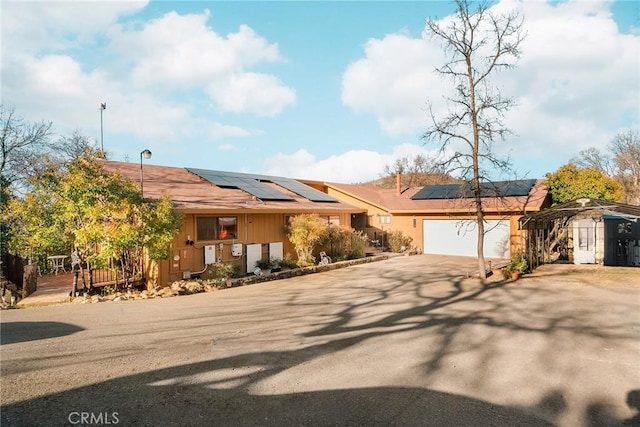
(585, 239)
(385, 219)
(216, 228)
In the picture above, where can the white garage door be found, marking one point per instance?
(453, 237)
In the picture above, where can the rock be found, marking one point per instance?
(193, 287)
(95, 298)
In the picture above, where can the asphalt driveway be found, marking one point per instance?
(407, 341)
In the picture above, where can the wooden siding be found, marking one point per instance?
(253, 228)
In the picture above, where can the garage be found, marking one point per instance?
(456, 237)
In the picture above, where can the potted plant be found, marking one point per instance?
(264, 265)
(516, 267)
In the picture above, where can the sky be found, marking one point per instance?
(323, 90)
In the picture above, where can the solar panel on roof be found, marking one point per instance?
(303, 190)
(487, 189)
(244, 182)
(253, 184)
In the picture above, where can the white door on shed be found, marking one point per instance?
(454, 237)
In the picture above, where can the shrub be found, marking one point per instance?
(264, 264)
(224, 270)
(305, 231)
(342, 243)
(398, 241)
(287, 262)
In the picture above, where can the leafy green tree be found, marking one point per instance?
(103, 215)
(571, 182)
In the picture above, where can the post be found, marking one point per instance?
(147, 155)
(103, 106)
(74, 288)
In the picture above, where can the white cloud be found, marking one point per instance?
(394, 82)
(181, 51)
(577, 83)
(349, 167)
(28, 26)
(50, 70)
(253, 93)
(219, 130)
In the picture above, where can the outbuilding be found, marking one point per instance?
(584, 231)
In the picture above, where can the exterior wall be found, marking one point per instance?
(596, 228)
(252, 228)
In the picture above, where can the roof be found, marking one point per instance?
(570, 209)
(406, 202)
(191, 192)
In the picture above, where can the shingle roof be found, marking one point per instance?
(190, 192)
(390, 200)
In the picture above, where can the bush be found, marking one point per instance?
(224, 270)
(287, 262)
(305, 231)
(265, 264)
(343, 243)
(398, 241)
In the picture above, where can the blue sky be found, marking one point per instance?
(320, 90)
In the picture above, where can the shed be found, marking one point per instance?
(584, 231)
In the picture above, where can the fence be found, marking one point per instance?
(113, 276)
(17, 271)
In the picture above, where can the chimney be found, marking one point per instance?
(398, 184)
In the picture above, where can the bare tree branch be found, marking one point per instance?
(477, 44)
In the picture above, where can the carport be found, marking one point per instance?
(583, 231)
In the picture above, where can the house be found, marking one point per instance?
(440, 218)
(584, 231)
(228, 217)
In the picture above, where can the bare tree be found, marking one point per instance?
(75, 146)
(416, 171)
(21, 146)
(621, 162)
(478, 44)
(594, 159)
(626, 154)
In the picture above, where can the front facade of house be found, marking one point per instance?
(228, 217)
(441, 219)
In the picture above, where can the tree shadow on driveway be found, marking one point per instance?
(385, 346)
(15, 332)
